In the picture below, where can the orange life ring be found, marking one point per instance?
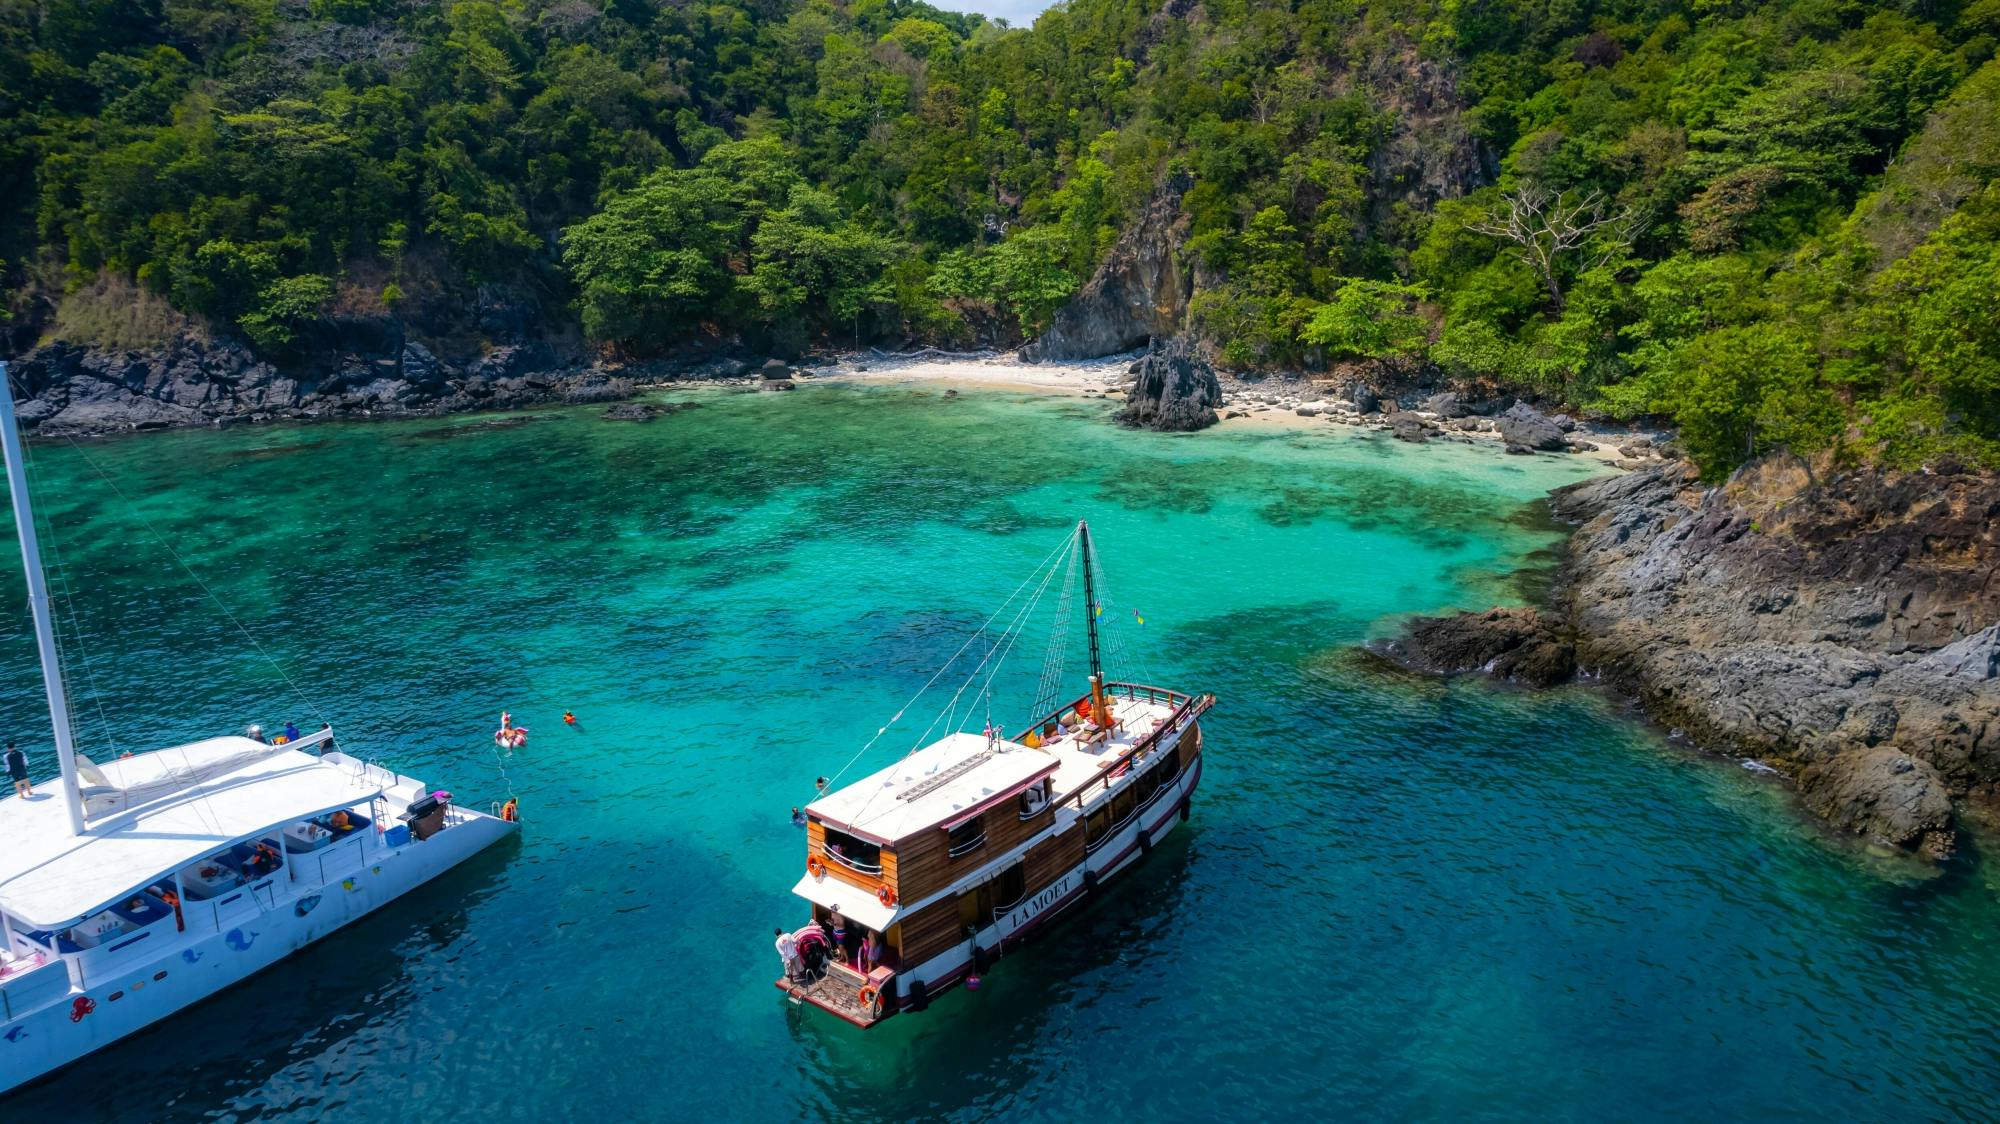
(886, 896)
(815, 867)
(868, 996)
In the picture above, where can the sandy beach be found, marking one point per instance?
(1274, 403)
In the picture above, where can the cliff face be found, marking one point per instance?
(1140, 291)
(1844, 627)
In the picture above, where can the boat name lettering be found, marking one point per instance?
(1041, 901)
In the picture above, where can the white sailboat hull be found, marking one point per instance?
(49, 1017)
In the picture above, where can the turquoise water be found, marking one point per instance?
(1395, 898)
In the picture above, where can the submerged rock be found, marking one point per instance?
(1176, 390)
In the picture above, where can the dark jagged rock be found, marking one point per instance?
(1139, 292)
(1508, 643)
(1882, 793)
(1176, 390)
(1522, 424)
(1446, 404)
(646, 411)
(775, 369)
(77, 391)
(1843, 626)
(1408, 427)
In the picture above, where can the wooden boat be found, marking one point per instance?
(921, 874)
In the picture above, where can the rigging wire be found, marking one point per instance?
(48, 534)
(1055, 658)
(1012, 633)
(939, 673)
(278, 667)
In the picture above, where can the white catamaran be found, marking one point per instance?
(131, 889)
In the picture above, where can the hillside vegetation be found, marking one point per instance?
(1775, 223)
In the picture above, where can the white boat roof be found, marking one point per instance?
(932, 786)
(50, 878)
(853, 902)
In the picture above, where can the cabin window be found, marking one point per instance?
(1034, 799)
(1145, 785)
(1010, 888)
(852, 853)
(966, 837)
(1096, 826)
(1167, 767)
(1122, 806)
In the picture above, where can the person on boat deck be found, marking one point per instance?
(798, 818)
(788, 951)
(263, 860)
(291, 732)
(257, 734)
(838, 935)
(340, 821)
(871, 952)
(17, 771)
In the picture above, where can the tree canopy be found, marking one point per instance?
(1773, 221)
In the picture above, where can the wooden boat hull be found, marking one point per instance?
(1122, 849)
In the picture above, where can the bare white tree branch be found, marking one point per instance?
(1549, 227)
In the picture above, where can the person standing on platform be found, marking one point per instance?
(17, 771)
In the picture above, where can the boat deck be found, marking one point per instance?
(1078, 763)
(836, 993)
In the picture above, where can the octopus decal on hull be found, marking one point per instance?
(83, 1006)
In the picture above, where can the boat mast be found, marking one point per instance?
(1090, 602)
(38, 600)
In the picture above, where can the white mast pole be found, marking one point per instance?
(38, 600)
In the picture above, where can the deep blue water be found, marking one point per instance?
(1396, 898)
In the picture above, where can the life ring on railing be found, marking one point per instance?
(511, 810)
(815, 867)
(870, 998)
(887, 897)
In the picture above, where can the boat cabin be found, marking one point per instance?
(201, 835)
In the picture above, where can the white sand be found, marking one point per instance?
(1107, 377)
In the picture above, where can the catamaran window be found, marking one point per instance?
(855, 854)
(966, 837)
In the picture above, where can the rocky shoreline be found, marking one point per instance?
(1842, 627)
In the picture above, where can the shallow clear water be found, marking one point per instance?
(1395, 898)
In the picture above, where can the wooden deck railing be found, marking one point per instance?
(1187, 708)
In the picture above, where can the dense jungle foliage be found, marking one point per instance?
(1777, 223)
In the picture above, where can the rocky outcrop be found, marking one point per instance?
(359, 368)
(1515, 644)
(1139, 292)
(1841, 626)
(1524, 426)
(1175, 390)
